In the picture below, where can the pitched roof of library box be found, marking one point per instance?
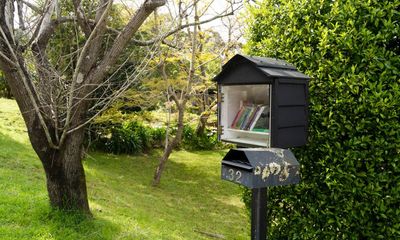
(242, 69)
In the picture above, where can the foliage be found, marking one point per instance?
(129, 138)
(206, 141)
(350, 168)
(132, 137)
(123, 203)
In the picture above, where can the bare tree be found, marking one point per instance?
(55, 104)
(180, 95)
(180, 101)
(230, 47)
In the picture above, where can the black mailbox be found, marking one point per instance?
(260, 167)
(262, 102)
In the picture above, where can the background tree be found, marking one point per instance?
(186, 69)
(213, 53)
(350, 167)
(180, 97)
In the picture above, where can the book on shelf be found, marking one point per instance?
(252, 117)
(261, 121)
(235, 120)
(239, 117)
(246, 113)
(257, 116)
(260, 130)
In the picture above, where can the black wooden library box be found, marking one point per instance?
(262, 102)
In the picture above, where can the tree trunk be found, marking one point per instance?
(205, 115)
(168, 150)
(65, 175)
(162, 163)
(201, 127)
(64, 170)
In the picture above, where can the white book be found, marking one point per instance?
(258, 114)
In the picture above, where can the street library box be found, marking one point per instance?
(262, 102)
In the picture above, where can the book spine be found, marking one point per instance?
(252, 116)
(248, 111)
(241, 119)
(239, 113)
(258, 115)
(251, 109)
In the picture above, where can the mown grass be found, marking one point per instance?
(191, 201)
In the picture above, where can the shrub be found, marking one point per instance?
(350, 168)
(133, 137)
(192, 141)
(129, 138)
(158, 137)
(143, 133)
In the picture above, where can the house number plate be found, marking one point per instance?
(232, 175)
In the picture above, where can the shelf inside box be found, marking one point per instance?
(248, 141)
(247, 106)
(249, 132)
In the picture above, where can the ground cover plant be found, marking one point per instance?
(351, 167)
(191, 203)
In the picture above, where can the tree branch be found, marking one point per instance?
(32, 6)
(29, 91)
(123, 39)
(78, 76)
(100, 24)
(20, 15)
(173, 31)
(81, 18)
(9, 18)
(46, 23)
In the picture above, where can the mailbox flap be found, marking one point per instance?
(238, 164)
(238, 159)
(236, 154)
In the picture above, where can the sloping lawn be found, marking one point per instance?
(191, 203)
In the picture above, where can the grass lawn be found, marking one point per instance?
(191, 201)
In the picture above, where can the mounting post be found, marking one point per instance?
(259, 214)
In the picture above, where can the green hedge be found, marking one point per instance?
(350, 187)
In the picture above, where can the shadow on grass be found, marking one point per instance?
(188, 190)
(25, 212)
(72, 225)
(191, 195)
(139, 170)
